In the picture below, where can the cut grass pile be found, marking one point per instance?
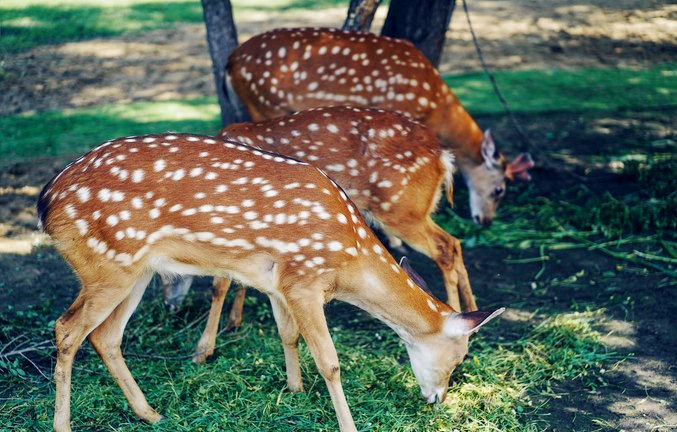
(649, 205)
(30, 23)
(77, 130)
(635, 225)
(497, 388)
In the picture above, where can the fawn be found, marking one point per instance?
(188, 204)
(291, 69)
(391, 167)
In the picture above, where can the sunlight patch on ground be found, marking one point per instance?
(517, 315)
(79, 3)
(22, 246)
(106, 48)
(24, 190)
(620, 334)
(23, 22)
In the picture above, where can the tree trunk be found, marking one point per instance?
(423, 22)
(361, 14)
(222, 40)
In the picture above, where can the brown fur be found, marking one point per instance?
(92, 212)
(361, 136)
(292, 69)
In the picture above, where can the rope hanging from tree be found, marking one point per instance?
(530, 146)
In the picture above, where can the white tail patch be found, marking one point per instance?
(448, 160)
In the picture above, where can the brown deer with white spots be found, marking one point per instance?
(391, 167)
(288, 70)
(184, 204)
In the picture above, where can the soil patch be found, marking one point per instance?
(174, 63)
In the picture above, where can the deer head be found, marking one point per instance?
(487, 181)
(434, 356)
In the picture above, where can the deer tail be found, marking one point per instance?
(448, 161)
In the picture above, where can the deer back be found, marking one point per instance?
(190, 204)
(386, 163)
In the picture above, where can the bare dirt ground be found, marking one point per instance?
(640, 393)
(168, 64)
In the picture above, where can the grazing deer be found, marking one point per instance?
(287, 70)
(186, 204)
(391, 167)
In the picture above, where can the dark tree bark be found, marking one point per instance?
(361, 14)
(222, 40)
(423, 22)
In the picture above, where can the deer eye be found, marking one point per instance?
(498, 191)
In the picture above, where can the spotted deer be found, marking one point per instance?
(291, 69)
(186, 204)
(391, 167)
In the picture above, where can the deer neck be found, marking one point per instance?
(458, 131)
(387, 293)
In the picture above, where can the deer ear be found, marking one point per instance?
(518, 168)
(488, 149)
(463, 324)
(417, 278)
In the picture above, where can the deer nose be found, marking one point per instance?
(477, 220)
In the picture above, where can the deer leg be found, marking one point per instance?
(87, 311)
(445, 250)
(289, 333)
(235, 316)
(106, 340)
(308, 311)
(464, 289)
(205, 346)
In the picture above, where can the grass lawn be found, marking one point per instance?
(244, 387)
(537, 91)
(29, 23)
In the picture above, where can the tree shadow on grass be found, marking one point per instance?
(28, 27)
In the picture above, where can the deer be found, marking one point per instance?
(391, 167)
(292, 69)
(179, 204)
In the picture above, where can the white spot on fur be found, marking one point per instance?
(82, 226)
(83, 194)
(112, 220)
(159, 165)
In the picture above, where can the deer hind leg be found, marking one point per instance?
(445, 250)
(289, 333)
(306, 307)
(106, 340)
(90, 308)
(235, 316)
(205, 346)
(464, 289)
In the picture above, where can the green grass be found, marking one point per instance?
(527, 218)
(76, 130)
(30, 23)
(244, 387)
(539, 91)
